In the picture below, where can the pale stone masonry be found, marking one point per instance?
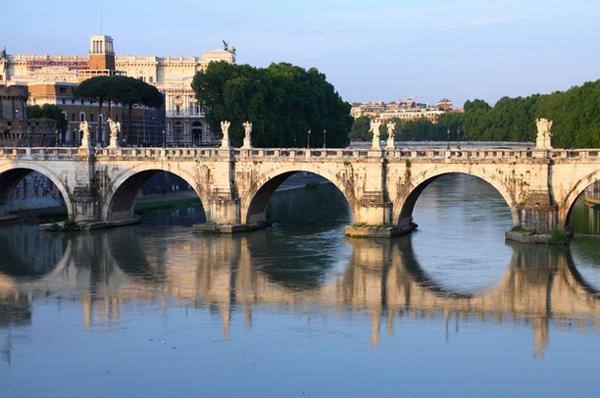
(234, 185)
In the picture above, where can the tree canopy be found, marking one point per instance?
(283, 102)
(123, 89)
(575, 113)
(48, 111)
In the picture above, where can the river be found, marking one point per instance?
(297, 309)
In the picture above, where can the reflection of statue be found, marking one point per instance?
(85, 137)
(247, 138)
(391, 135)
(544, 136)
(225, 130)
(115, 129)
(374, 129)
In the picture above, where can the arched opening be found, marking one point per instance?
(303, 195)
(304, 246)
(151, 190)
(583, 215)
(24, 191)
(197, 133)
(462, 224)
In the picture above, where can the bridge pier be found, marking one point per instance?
(538, 216)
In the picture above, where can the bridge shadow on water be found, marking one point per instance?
(382, 279)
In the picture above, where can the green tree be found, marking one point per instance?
(123, 89)
(48, 111)
(96, 89)
(130, 91)
(360, 128)
(283, 102)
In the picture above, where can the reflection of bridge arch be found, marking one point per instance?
(255, 203)
(409, 195)
(121, 195)
(565, 208)
(382, 278)
(26, 252)
(11, 174)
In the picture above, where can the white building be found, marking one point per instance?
(185, 123)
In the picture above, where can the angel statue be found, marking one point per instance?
(225, 130)
(374, 129)
(247, 138)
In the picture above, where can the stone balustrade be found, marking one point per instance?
(58, 153)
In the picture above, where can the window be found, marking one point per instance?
(82, 102)
(116, 118)
(72, 102)
(64, 101)
(177, 109)
(62, 90)
(91, 117)
(151, 79)
(81, 116)
(72, 117)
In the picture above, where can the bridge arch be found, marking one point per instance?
(566, 206)
(120, 195)
(11, 174)
(255, 202)
(409, 194)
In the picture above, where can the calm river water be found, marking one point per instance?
(299, 310)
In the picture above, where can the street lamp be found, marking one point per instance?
(448, 131)
(308, 140)
(324, 138)
(458, 137)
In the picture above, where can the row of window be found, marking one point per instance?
(194, 109)
(82, 116)
(83, 102)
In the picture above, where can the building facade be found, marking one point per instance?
(53, 78)
(403, 110)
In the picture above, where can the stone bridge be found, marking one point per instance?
(381, 186)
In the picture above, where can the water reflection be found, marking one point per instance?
(226, 274)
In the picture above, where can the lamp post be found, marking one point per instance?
(308, 140)
(324, 138)
(458, 137)
(448, 131)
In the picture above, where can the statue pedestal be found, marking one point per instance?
(247, 144)
(114, 143)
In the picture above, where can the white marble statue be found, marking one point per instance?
(391, 135)
(85, 137)
(225, 130)
(115, 129)
(544, 136)
(374, 129)
(247, 138)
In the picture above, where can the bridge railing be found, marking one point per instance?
(66, 153)
(39, 153)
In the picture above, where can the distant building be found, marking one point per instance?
(403, 110)
(53, 78)
(15, 128)
(445, 105)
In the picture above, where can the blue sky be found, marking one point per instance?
(369, 50)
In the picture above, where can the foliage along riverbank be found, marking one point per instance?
(575, 113)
